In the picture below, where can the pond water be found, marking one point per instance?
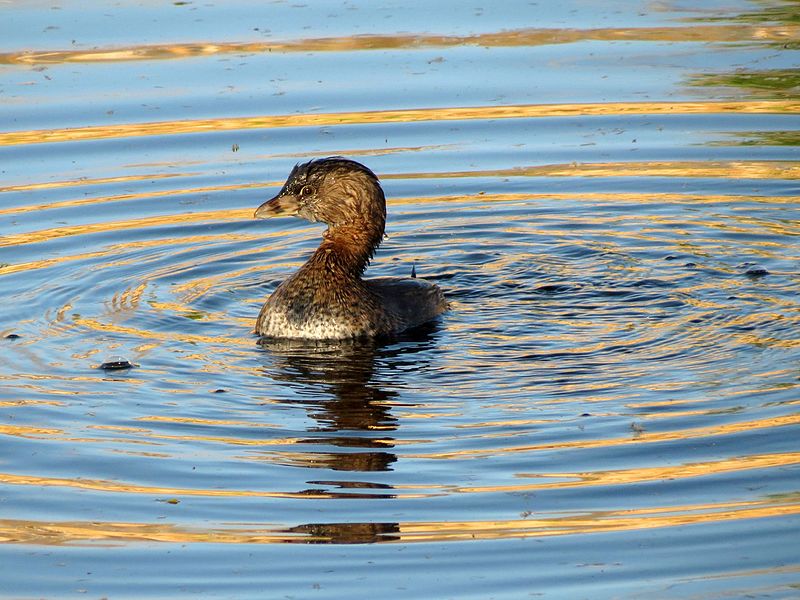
(608, 193)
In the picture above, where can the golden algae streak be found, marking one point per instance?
(778, 169)
(132, 196)
(643, 438)
(198, 421)
(100, 485)
(552, 480)
(413, 115)
(717, 169)
(143, 222)
(99, 326)
(28, 187)
(82, 532)
(29, 432)
(76, 533)
(763, 170)
(645, 474)
(502, 39)
(598, 522)
(31, 403)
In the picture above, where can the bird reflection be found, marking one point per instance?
(344, 385)
(346, 533)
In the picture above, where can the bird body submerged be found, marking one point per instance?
(327, 297)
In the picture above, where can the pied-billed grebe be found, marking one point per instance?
(327, 298)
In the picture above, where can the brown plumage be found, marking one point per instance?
(327, 298)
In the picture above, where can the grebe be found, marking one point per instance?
(327, 298)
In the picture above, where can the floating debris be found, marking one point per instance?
(116, 363)
(756, 271)
(554, 288)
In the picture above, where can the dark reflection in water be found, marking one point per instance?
(347, 533)
(335, 381)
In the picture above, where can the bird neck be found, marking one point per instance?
(347, 249)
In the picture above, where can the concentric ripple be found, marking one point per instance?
(583, 326)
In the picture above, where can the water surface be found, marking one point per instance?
(608, 195)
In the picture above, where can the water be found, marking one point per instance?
(609, 197)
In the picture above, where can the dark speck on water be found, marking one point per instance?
(554, 288)
(756, 271)
(116, 363)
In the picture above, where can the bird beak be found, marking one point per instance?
(282, 205)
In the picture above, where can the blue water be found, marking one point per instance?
(608, 196)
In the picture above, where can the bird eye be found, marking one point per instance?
(306, 190)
